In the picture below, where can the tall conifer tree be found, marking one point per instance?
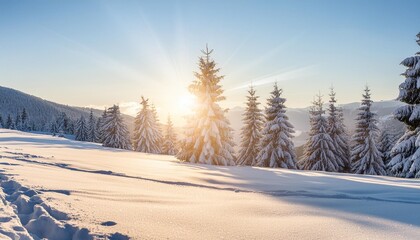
(169, 141)
(9, 122)
(209, 135)
(147, 137)
(81, 130)
(91, 131)
(319, 149)
(253, 120)
(365, 156)
(385, 144)
(277, 149)
(115, 133)
(100, 127)
(24, 120)
(405, 155)
(337, 132)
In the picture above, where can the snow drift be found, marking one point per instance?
(57, 188)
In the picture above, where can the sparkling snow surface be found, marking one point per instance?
(145, 196)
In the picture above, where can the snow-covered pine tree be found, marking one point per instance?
(319, 148)
(70, 129)
(385, 144)
(33, 127)
(91, 131)
(9, 122)
(169, 140)
(405, 155)
(365, 156)
(391, 131)
(347, 165)
(62, 124)
(24, 120)
(336, 130)
(115, 133)
(208, 136)
(253, 120)
(159, 134)
(147, 137)
(100, 126)
(18, 122)
(276, 147)
(52, 127)
(81, 131)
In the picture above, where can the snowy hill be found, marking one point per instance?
(299, 117)
(64, 189)
(42, 111)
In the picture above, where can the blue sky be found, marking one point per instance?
(103, 52)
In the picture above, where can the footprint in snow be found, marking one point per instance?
(108, 223)
(5, 219)
(18, 228)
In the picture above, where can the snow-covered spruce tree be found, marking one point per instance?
(62, 124)
(147, 137)
(159, 134)
(276, 146)
(81, 131)
(71, 125)
(391, 131)
(252, 120)
(91, 128)
(169, 140)
(52, 127)
(319, 148)
(9, 122)
(337, 131)
(115, 133)
(208, 136)
(98, 132)
(100, 127)
(385, 144)
(365, 156)
(18, 122)
(24, 120)
(405, 155)
(32, 126)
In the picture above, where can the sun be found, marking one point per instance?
(186, 103)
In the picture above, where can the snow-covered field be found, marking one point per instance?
(56, 188)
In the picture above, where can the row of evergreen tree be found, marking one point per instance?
(59, 125)
(148, 136)
(19, 122)
(111, 131)
(267, 138)
(329, 149)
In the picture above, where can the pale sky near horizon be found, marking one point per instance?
(100, 52)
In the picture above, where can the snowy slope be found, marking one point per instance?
(42, 111)
(98, 192)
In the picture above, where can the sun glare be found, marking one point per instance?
(186, 103)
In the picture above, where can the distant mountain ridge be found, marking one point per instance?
(41, 111)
